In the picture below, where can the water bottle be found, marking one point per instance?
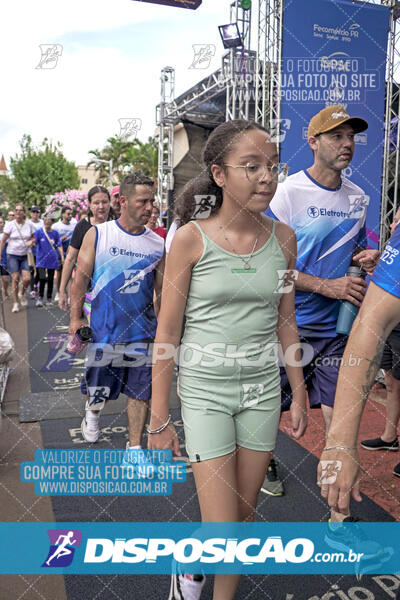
(348, 311)
(82, 336)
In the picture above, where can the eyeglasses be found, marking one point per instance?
(255, 172)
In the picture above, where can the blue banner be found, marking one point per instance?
(156, 548)
(334, 52)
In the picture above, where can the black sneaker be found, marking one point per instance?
(379, 444)
(272, 484)
(396, 470)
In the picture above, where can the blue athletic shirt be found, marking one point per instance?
(3, 261)
(65, 229)
(123, 284)
(329, 226)
(387, 272)
(46, 254)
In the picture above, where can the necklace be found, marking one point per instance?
(246, 261)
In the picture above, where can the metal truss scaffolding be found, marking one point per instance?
(251, 82)
(165, 137)
(269, 54)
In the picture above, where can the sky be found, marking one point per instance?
(111, 55)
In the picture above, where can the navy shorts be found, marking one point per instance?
(391, 354)
(323, 357)
(16, 263)
(107, 383)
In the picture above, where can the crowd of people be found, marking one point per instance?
(250, 270)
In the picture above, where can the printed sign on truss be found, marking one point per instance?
(192, 4)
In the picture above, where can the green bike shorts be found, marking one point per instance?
(230, 407)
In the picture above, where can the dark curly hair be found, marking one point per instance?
(221, 141)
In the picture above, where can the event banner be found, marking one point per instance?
(334, 52)
(156, 548)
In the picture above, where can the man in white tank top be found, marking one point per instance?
(124, 261)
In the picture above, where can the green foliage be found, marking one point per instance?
(8, 192)
(144, 157)
(40, 171)
(126, 156)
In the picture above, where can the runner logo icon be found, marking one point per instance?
(251, 394)
(62, 547)
(132, 281)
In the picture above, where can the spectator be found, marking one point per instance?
(65, 228)
(20, 236)
(154, 225)
(115, 203)
(5, 276)
(99, 212)
(47, 241)
(37, 223)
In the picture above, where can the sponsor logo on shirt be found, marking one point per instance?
(314, 212)
(114, 251)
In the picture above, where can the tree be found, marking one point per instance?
(41, 171)
(116, 149)
(126, 156)
(8, 192)
(144, 157)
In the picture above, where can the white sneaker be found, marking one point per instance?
(137, 456)
(39, 302)
(56, 297)
(23, 300)
(15, 307)
(48, 303)
(90, 426)
(185, 588)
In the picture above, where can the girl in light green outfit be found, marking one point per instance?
(226, 273)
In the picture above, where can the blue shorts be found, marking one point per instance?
(16, 263)
(323, 357)
(108, 382)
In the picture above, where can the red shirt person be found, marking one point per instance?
(153, 223)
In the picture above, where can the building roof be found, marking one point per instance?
(3, 166)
